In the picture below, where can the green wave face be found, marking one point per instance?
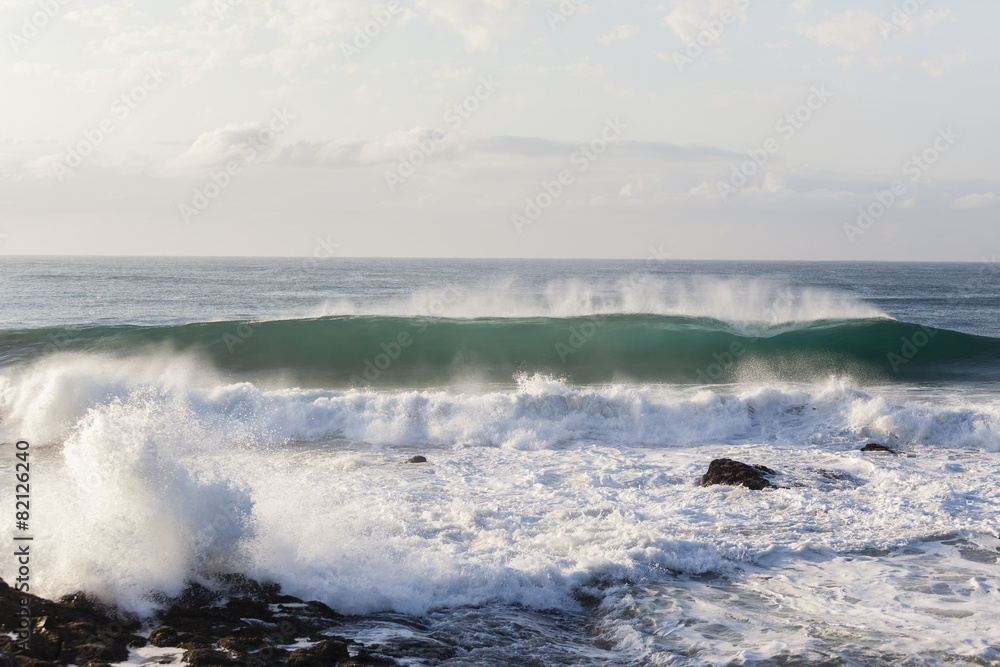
(389, 351)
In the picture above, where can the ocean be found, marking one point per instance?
(189, 416)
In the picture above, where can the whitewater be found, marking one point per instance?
(191, 417)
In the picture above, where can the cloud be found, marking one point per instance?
(480, 23)
(941, 66)
(852, 31)
(688, 17)
(974, 201)
(356, 151)
(389, 148)
(215, 147)
(619, 33)
(801, 6)
(898, 22)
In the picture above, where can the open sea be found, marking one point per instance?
(194, 416)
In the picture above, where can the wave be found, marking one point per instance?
(426, 351)
(530, 494)
(737, 302)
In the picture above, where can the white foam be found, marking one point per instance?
(530, 493)
(750, 301)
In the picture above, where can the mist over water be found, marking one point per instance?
(560, 498)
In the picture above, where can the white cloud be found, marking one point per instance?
(637, 185)
(853, 31)
(620, 33)
(705, 190)
(688, 18)
(362, 94)
(801, 6)
(215, 147)
(898, 22)
(772, 184)
(481, 23)
(974, 201)
(941, 66)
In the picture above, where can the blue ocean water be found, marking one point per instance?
(254, 415)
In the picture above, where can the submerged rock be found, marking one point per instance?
(875, 447)
(736, 473)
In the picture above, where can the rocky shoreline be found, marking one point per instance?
(238, 621)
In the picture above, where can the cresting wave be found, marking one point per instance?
(424, 351)
(737, 302)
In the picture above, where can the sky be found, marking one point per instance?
(712, 129)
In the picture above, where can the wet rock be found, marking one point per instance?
(77, 629)
(877, 448)
(838, 479)
(417, 459)
(207, 656)
(242, 645)
(736, 473)
(328, 652)
(163, 636)
(365, 659)
(225, 620)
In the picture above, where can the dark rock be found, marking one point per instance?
(320, 608)
(269, 655)
(365, 659)
(207, 656)
(77, 629)
(417, 459)
(44, 644)
(837, 475)
(327, 652)
(194, 642)
(875, 447)
(244, 645)
(225, 620)
(101, 652)
(736, 473)
(163, 636)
